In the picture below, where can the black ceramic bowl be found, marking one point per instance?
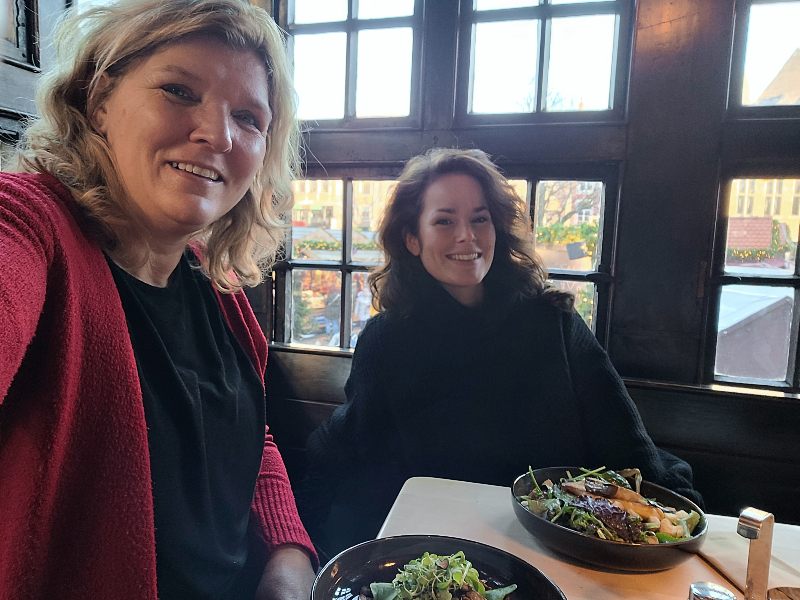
(607, 553)
(379, 560)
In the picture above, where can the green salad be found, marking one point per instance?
(602, 503)
(433, 577)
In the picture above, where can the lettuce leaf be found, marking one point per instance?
(499, 593)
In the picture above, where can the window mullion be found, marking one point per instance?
(544, 58)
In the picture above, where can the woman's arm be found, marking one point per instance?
(24, 257)
(274, 511)
(357, 432)
(288, 575)
(615, 434)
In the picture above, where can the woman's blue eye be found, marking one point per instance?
(480, 220)
(443, 222)
(249, 119)
(176, 90)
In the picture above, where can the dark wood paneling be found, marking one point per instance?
(732, 424)
(307, 375)
(669, 188)
(507, 143)
(291, 421)
(730, 483)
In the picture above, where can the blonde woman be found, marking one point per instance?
(133, 460)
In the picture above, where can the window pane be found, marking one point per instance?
(762, 229)
(576, 1)
(319, 11)
(500, 85)
(381, 9)
(566, 223)
(772, 57)
(362, 306)
(319, 75)
(317, 220)
(753, 332)
(384, 72)
(369, 200)
(584, 297)
(316, 307)
(581, 55)
(495, 4)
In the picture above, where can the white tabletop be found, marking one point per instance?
(484, 513)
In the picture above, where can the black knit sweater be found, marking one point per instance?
(474, 395)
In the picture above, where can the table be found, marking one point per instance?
(483, 513)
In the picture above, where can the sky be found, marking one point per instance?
(773, 35)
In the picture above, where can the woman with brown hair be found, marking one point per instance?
(133, 456)
(475, 369)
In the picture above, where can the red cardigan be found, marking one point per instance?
(76, 506)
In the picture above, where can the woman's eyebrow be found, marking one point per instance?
(177, 70)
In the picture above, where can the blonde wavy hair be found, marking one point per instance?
(240, 246)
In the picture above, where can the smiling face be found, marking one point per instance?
(456, 236)
(187, 129)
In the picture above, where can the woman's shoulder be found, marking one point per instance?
(31, 184)
(34, 193)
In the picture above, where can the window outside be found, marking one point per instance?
(581, 63)
(566, 222)
(754, 324)
(753, 332)
(318, 230)
(500, 85)
(383, 87)
(316, 307)
(369, 201)
(319, 75)
(772, 55)
(317, 220)
(762, 229)
(579, 51)
(378, 45)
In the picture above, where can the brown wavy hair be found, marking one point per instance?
(515, 267)
(113, 39)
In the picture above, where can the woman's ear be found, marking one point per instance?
(412, 242)
(99, 116)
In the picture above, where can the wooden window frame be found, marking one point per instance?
(623, 9)
(351, 26)
(736, 110)
(719, 278)
(25, 53)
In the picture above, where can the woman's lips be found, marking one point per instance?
(473, 256)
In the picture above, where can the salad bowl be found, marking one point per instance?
(379, 560)
(624, 556)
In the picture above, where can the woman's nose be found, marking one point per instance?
(212, 126)
(465, 232)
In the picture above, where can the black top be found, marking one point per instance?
(205, 413)
(475, 395)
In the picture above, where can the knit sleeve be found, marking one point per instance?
(356, 433)
(274, 508)
(615, 434)
(25, 252)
